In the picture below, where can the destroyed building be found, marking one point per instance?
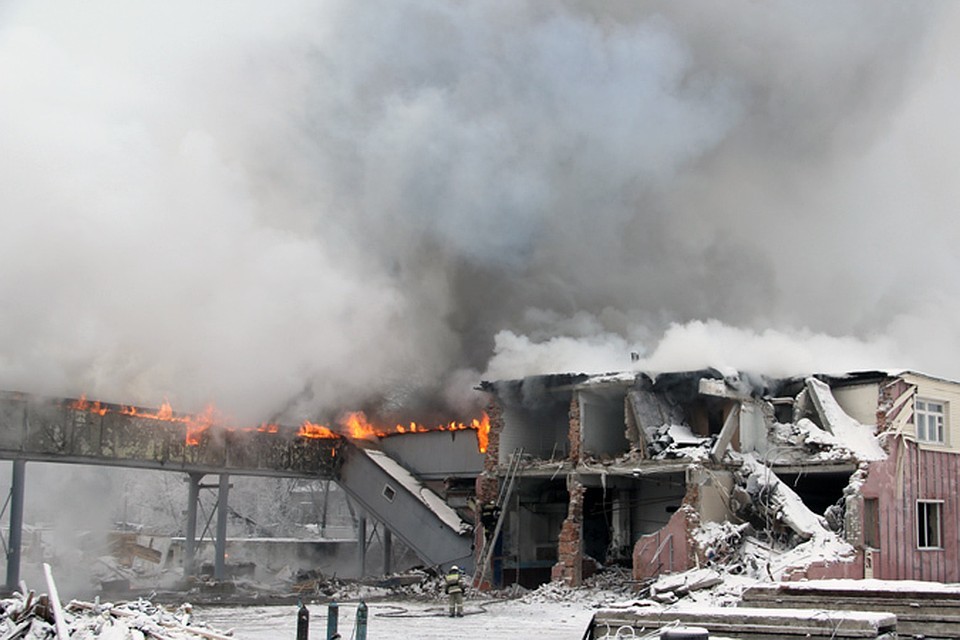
(643, 470)
(813, 476)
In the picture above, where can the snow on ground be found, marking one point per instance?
(400, 620)
(551, 611)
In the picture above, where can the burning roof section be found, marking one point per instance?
(96, 432)
(80, 431)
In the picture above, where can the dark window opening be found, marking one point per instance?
(871, 523)
(819, 491)
(929, 524)
(597, 521)
(389, 493)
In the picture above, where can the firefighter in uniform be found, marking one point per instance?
(489, 514)
(453, 585)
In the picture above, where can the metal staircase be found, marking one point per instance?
(415, 514)
(506, 491)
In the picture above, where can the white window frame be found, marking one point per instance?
(930, 416)
(925, 508)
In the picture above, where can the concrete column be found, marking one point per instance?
(220, 548)
(190, 544)
(16, 524)
(361, 544)
(387, 550)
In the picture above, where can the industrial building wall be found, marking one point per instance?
(436, 454)
(533, 529)
(603, 423)
(654, 501)
(542, 433)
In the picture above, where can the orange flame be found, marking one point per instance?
(483, 432)
(358, 426)
(311, 430)
(355, 424)
(195, 424)
(82, 404)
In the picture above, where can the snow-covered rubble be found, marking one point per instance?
(771, 499)
(27, 616)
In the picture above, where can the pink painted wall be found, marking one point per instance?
(666, 550)
(907, 475)
(825, 570)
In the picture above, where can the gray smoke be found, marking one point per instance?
(303, 206)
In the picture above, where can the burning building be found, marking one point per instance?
(847, 475)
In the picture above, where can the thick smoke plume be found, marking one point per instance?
(292, 208)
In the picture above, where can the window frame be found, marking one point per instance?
(922, 413)
(388, 493)
(925, 506)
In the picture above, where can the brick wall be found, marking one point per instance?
(574, 432)
(569, 567)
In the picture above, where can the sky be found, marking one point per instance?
(295, 208)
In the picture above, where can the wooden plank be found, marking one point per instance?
(60, 624)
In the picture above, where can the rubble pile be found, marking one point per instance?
(670, 588)
(416, 584)
(33, 617)
(605, 587)
(761, 498)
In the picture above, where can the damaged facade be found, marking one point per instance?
(833, 476)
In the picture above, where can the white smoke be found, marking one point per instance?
(304, 205)
(695, 345)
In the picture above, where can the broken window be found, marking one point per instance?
(929, 524)
(929, 419)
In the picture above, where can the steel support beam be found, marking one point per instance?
(387, 550)
(15, 537)
(190, 543)
(220, 548)
(361, 544)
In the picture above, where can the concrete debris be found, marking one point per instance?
(604, 588)
(670, 588)
(721, 543)
(771, 504)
